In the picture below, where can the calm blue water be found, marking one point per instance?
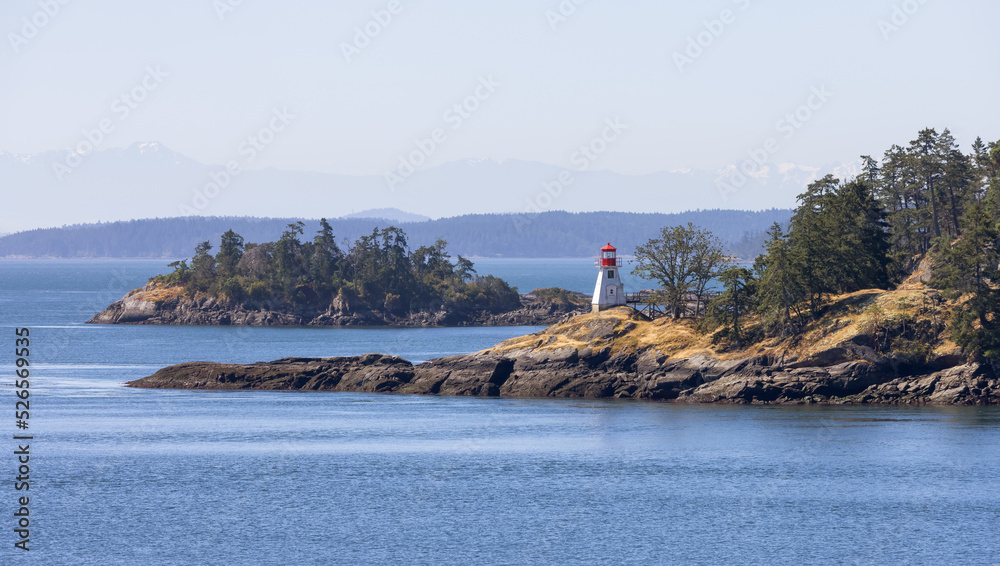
(124, 476)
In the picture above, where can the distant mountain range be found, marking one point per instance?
(148, 180)
(548, 234)
(390, 214)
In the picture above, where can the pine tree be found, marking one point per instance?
(810, 242)
(326, 255)
(955, 179)
(969, 265)
(732, 306)
(288, 257)
(929, 164)
(899, 193)
(203, 264)
(230, 252)
(779, 289)
(862, 240)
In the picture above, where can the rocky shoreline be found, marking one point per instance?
(602, 368)
(696, 380)
(150, 305)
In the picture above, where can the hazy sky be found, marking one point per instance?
(697, 84)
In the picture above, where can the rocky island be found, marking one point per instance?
(377, 282)
(156, 303)
(621, 354)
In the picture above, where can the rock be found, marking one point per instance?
(372, 372)
(460, 375)
(343, 310)
(128, 310)
(695, 380)
(965, 384)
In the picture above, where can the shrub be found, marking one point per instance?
(259, 292)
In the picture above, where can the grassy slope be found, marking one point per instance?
(844, 318)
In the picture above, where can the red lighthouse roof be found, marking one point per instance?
(608, 257)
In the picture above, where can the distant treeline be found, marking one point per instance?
(547, 234)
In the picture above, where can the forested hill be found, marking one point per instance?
(548, 234)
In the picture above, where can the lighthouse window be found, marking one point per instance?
(611, 274)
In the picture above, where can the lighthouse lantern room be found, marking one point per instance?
(609, 291)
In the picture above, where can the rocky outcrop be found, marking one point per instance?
(155, 305)
(593, 375)
(620, 354)
(370, 373)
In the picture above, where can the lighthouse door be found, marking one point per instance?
(611, 290)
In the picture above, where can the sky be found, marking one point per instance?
(356, 87)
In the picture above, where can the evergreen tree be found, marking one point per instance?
(900, 195)
(395, 272)
(780, 290)
(956, 179)
(203, 264)
(287, 255)
(732, 306)
(969, 263)
(969, 267)
(230, 252)
(326, 255)
(929, 165)
(838, 240)
(465, 270)
(861, 239)
(811, 241)
(991, 167)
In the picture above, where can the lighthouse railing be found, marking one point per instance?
(651, 303)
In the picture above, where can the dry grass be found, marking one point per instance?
(846, 317)
(159, 294)
(622, 330)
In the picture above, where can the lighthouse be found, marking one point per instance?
(609, 291)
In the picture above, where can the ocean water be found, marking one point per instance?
(127, 476)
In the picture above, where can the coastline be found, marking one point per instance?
(698, 381)
(596, 356)
(152, 305)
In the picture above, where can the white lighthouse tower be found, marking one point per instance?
(609, 291)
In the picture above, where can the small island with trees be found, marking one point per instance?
(377, 281)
